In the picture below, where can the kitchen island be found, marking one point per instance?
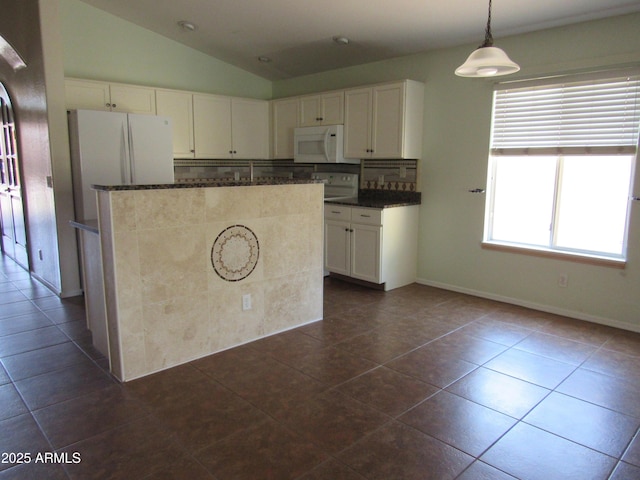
(190, 270)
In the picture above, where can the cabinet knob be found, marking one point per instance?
(113, 105)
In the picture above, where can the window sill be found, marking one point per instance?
(568, 256)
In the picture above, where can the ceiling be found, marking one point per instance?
(296, 35)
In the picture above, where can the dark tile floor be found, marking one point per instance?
(417, 383)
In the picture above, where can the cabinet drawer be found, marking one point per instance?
(368, 216)
(337, 212)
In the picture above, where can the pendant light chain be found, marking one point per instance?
(488, 38)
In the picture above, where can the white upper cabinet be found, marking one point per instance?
(384, 121)
(358, 118)
(179, 107)
(228, 127)
(115, 97)
(380, 121)
(324, 109)
(250, 128)
(133, 99)
(284, 118)
(85, 94)
(212, 126)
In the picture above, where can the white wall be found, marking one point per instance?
(64, 211)
(456, 143)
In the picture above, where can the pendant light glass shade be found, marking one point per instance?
(487, 62)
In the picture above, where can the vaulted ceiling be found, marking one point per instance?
(296, 36)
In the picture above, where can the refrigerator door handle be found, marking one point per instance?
(124, 167)
(132, 162)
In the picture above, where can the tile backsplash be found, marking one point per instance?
(395, 175)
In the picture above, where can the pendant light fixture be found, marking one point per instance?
(487, 60)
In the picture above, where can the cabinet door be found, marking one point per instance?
(179, 107)
(388, 121)
(86, 94)
(133, 99)
(325, 109)
(250, 128)
(357, 123)
(212, 126)
(366, 252)
(285, 119)
(332, 108)
(310, 114)
(337, 247)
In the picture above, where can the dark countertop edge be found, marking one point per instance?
(86, 225)
(168, 186)
(373, 203)
(381, 199)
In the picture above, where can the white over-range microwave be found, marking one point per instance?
(323, 144)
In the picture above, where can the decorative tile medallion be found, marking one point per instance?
(235, 253)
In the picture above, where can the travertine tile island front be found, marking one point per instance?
(178, 261)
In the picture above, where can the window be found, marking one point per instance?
(561, 166)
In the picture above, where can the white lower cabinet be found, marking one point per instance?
(372, 244)
(352, 249)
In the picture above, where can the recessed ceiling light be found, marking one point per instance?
(187, 26)
(264, 59)
(340, 40)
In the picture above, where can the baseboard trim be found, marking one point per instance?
(532, 305)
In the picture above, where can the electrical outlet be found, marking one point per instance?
(563, 280)
(380, 179)
(236, 176)
(246, 301)
(403, 172)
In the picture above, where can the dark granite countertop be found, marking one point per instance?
(381, 199)
(165, 186)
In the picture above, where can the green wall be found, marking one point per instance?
(100, 46)
(456, 142)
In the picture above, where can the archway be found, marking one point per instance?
(12, 224)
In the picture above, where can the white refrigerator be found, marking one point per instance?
(111, 148)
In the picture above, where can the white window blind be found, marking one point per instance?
(570, 116)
